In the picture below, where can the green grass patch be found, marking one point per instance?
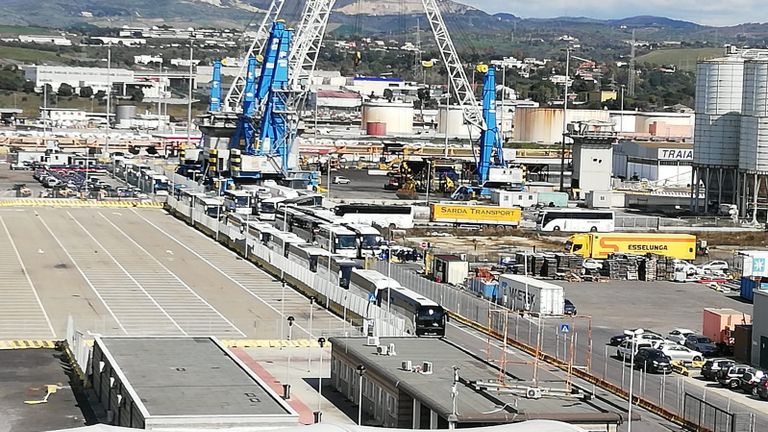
(28, 55)
(683, 58)
(25, 30)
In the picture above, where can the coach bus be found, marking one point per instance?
(426, 317)
(388, 216)
(337, 239)
(576, 220)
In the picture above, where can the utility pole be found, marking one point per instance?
(565, 117)
(189, 102)
(109, 95)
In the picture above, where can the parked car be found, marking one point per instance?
(679, 334)
(624, 350)
(652, 360)
(569, 308)
(715, 266)
(592, 264)
(750, 380)
(731, 377)
(341, 180)
(679, 352)
(618, 339)
(711, 367)
(762, 388)
(701, 343)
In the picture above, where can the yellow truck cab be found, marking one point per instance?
(600, 245)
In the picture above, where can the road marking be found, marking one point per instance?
(273, 343)
(27, 344)
(236, 282)
(82, 273)
(172, 274)
(117, 263)
(26, 275)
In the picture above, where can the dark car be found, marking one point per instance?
(701, 344)
(569, 308)
(750, 380)
(731, 377)
(711, 367)
(762, 388)
(653, 360)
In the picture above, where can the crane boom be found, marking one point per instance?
(234, 98)
(459, 82)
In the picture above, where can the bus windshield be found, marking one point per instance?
(346, 241)
(430, 314)
(370, 241)
(267, 207)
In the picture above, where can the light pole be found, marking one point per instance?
(633, 334)
(290, 320)
(109, 95)
(321, 342)
(361, 372)
(621, 115)
(311, 308)
(565, 117)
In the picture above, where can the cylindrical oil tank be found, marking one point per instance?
(451, 119)
(125, 112)
(753, 146)
(719, 88)
(545, 125)
(397, 116)
(376, 128)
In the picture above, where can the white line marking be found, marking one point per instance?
(82, 273)
(117, 263)
(220, 271)
(172, 274)
(26, 275)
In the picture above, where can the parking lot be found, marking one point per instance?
(136, 272)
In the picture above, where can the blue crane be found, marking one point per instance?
(490, 141)
(214, 104)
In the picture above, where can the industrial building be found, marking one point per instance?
(408, 383)
(661, 163)
(730, 158)
(181, 383)
(78, 77)
(759, 352)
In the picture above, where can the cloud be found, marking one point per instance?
(709, 12)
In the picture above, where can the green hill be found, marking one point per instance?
(683, 58)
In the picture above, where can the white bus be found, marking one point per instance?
(367, 283)
(387, 216)
(268, 208)
(337, 239)
(279, 242)
(306, 255)
(239, 201)
(575, 220)
(369, 239)
(336, 269)
(424, 316)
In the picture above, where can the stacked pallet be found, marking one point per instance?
(622, 266)
(665, 268)
(568, 263)
(549, 267)
(648, 268)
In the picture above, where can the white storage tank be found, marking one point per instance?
(753, 146)
(522, 292)
(451, 118)
(125, 112)
(545, 125)
(397, 116)
(719, 87)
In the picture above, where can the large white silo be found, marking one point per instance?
(753, 148)
(397, 116)
(719, 87)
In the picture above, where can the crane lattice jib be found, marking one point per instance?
(459, 82)
(233, 99)
(309, 39)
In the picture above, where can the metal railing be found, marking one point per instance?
(711, 418)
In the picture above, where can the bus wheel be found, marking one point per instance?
(593, 229)
(556, 228)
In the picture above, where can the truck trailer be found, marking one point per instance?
(475, 214)
(533, 295)
(600, 245)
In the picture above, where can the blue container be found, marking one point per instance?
(747, 288)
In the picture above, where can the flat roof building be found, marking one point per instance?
(400, 391)
(180, 383)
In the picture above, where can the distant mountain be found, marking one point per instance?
(655, 21)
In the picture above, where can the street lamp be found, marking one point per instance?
(311, 308)
(633, 334)
(361, 372)
(290, 319)
(321, 342)
(621, 116)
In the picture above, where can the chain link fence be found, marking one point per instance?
(709, 417)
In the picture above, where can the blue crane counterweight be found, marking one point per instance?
(214, 104)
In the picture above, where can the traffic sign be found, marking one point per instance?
(565, 328)
(371, 297)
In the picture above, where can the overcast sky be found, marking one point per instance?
(710, 12)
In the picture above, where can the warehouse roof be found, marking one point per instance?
(473, 406)
(189, 376)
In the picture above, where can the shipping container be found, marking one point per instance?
(449, 269)
(717, 322)
(503, 198)
(752, 263)
(484, 288)
(522, 292)
(600, 245)
(475, 214)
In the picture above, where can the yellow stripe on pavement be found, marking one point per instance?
(27, 344)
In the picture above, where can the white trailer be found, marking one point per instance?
(752, 263)
(526, 293)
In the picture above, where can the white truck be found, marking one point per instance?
(526, 293)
